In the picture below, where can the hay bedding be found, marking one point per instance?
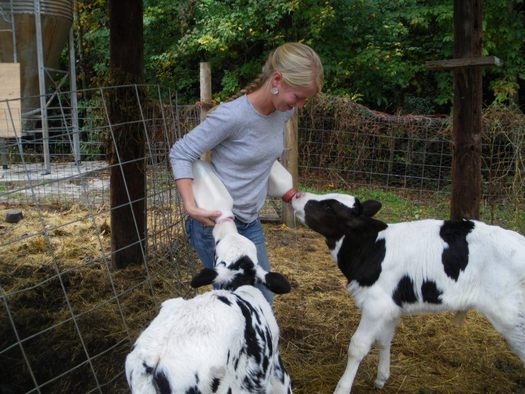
(429, 353)
(37, 272)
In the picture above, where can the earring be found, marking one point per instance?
(274, 90)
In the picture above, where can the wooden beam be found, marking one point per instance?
(450, 64)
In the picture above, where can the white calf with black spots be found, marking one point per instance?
(222, 341)
(417, 267)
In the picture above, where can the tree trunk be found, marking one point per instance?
(127, 156)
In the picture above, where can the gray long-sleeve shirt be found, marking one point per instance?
(244, 145)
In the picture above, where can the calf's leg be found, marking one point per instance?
(384, 341)
(507, 315)
(514, 334)
(280, 380)
(370, 329)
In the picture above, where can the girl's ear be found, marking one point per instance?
(276, 79)
(205, 277)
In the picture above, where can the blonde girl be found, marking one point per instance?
(245, 136)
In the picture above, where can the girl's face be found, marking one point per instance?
(290, 97)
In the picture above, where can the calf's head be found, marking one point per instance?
(334, 214)
(236, 263)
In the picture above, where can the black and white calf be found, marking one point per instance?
(415, 267)
(222, 341)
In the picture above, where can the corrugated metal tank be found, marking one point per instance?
(56, 17)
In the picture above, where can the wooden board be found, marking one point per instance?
(450, 64)
(10, 111)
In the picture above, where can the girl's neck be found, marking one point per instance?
(261, 100)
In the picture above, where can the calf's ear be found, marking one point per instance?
(277, 283)
(205, 277)
(370, 207)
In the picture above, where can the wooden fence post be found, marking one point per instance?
(205, 87)
(467, 124)
(290, 161)
(205, 96)
(466, 129)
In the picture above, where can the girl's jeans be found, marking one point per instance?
(200, 238)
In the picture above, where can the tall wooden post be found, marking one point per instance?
(205, 96)
(466, 127)
(127, 156)
(290, 162)
(205, 87)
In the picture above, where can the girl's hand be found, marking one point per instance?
(203, 216)
(207, 218)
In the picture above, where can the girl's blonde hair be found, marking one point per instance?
(299, 65)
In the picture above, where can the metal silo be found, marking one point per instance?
(34, 33)
(56, 18)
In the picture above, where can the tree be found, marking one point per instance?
(92, 32)
(373, 51)
(128, 171)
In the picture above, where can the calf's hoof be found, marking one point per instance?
(380, 382)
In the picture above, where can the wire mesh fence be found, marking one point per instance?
(68, 317)
(344, 145)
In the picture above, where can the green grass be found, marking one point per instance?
(505, 215)
(398, 207)
(405, 205)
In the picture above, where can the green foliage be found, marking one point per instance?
(233, 36)
(93, 40)
(504, 37)
(363, 51)
(372, 50)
